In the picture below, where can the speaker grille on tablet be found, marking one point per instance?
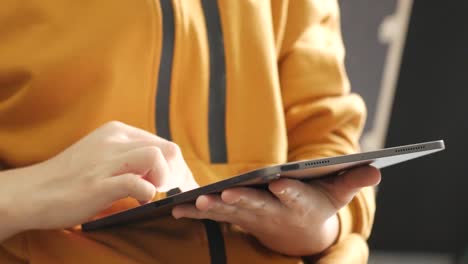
(318, 162)
(410, 149)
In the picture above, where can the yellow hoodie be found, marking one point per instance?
(237, 84)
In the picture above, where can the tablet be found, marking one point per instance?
(303, 170)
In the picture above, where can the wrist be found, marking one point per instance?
(32, 196)
(15, 203)
(10, 221)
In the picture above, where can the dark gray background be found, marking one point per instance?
(422, 205)
(365, 56)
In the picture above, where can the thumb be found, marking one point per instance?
(343, 187)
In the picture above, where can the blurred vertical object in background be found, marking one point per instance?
(374, 33)
(422, 206)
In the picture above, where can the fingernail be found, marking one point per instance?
(203, 199)
(176, 215)
(282, 192)
(234, 201)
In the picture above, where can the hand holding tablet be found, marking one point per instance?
(302, 170)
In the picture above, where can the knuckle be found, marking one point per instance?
(295, 197)
(294, 201)
(158, 162)
(290, 198)
(172, 150)
(112, 125)
(130, 183)
(262, 205)
(153, 153)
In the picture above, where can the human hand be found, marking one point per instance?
(294, 218)
(113, 162)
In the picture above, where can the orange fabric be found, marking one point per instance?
(67, 67)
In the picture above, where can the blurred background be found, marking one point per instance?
(409, 60)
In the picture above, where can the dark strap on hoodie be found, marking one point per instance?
(215, 242)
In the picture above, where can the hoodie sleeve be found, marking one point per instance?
(323, 118)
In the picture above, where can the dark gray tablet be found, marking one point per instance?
(303, 170)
